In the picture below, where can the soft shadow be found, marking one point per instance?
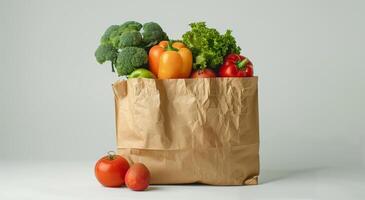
(154, 188)
(268, 176)
(265, 177)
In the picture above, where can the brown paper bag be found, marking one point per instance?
(190, 130)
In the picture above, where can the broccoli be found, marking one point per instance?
(106, 52)
(113, 29)
(126, 27)
(119, 38)
(131, 26)
(129, 59)
(112, 34)
(130, 39)
(153, 34)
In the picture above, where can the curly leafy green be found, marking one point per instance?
(208, 46)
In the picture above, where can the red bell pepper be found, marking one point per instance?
(236, 65)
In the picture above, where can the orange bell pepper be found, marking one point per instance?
(170, 60)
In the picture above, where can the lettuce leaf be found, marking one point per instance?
(208, 46)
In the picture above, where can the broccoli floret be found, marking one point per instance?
(129, 39)
(131, 26)
(152, 26)
(153, 34)
(105, 39)
(104, 53)
(129, 59)
(113, 33)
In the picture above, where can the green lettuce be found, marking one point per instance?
(208, 46)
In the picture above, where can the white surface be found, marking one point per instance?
(75, 180)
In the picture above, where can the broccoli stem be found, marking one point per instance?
(112, 66)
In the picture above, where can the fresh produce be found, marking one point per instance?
(129, 39)
(203, 52)
(105, 52)
(153, 34)
(170, 60)
(208, 46)
(154, 56)
(110, 170)
(113, 33)
(137, 177)
(141, 73)
(203, 73)
(129, 59)
(236, 65)
(119, 43)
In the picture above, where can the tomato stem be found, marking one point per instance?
(111, 155)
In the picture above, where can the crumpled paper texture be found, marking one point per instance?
(190, 130)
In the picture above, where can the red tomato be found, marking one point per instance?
(110, 170)
(203, 73)
(138, 177)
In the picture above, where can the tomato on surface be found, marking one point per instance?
(110, 170)
(138, 177)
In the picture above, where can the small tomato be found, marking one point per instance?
(138, 177)
(203, 73)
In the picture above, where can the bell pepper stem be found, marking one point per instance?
(242, 64)
(170, 47)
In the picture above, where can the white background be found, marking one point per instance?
(57, 104)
